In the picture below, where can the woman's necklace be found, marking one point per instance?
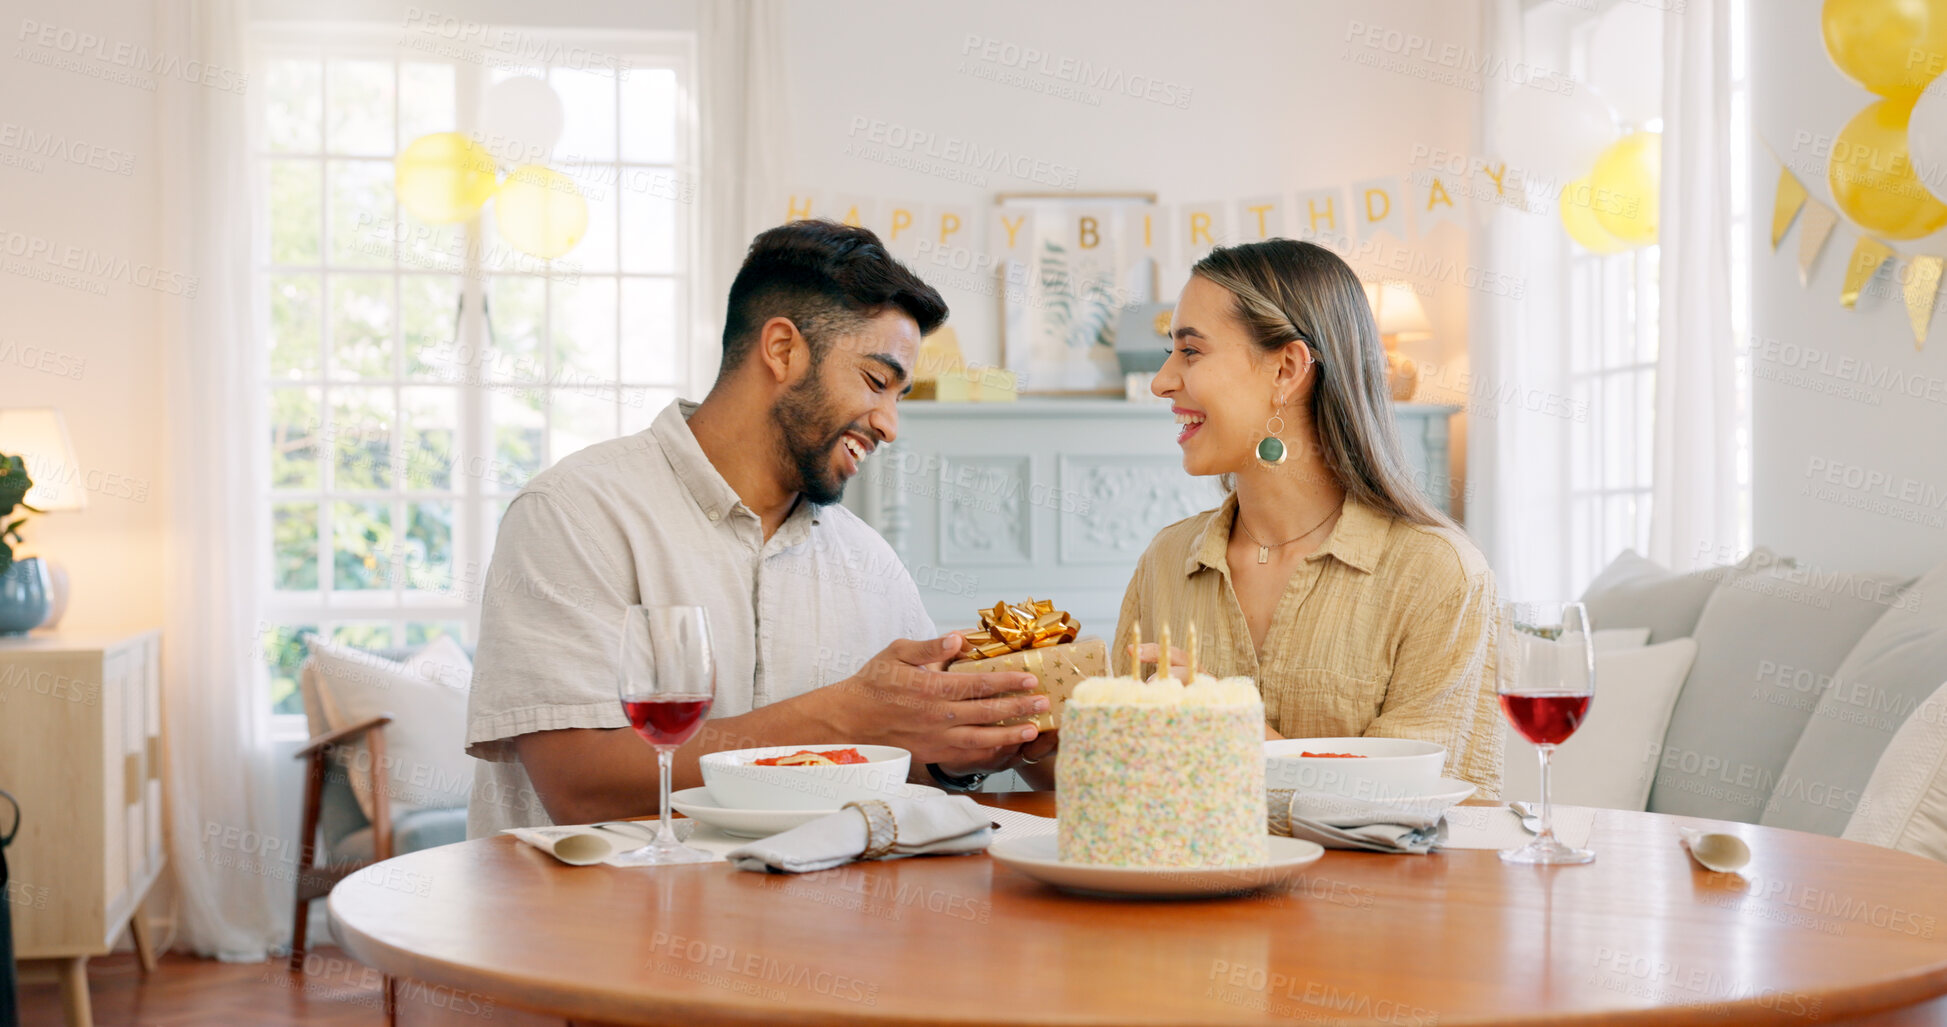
(1264, 551)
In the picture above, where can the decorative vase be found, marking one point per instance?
(57, 592)
(1402, 376)
(23, 596)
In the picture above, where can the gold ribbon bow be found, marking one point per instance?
(1035, 624)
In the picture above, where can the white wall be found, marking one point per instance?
(1814, 411)
(88, 344)
(1274, 107)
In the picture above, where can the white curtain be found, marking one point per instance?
(1517, 452)
(743, 126)
(221, 803)
(1693, 504)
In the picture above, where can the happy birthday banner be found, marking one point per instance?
(1404, 208)
(1920, 285)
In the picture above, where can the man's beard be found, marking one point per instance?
(800, 416)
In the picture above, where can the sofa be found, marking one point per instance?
(1767, 692)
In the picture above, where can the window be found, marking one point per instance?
(1612, 374)
(420, 375)
(1613, 310)
(1612, 325)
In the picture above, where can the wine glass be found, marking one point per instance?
(667, 678)
(1546, 680)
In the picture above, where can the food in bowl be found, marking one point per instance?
(743, 779)
(807, 758)
(1363, 768)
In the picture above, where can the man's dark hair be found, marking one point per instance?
(828, 279)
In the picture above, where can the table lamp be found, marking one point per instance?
(39, 436)
(1401, 319)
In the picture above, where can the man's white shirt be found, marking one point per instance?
(647, 519)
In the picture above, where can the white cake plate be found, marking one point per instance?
(1036, 857)
(763, 823)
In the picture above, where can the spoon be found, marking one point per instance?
(1530, 817)
(1724, 853)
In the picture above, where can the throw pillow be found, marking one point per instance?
(1896, 665)
(1610, 639)
(1636, 592)
(425, 765)
(1610, 761)
(1737, 720)
(1904, 805)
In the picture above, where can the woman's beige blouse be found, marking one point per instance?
(1386, 630)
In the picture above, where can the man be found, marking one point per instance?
(727, 505)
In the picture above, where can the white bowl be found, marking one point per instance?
(735, 782)
(1392, 768)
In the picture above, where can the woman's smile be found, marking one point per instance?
(1189, 421)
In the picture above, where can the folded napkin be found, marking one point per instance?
(938, 825)
(1340, 822)
(610, 841)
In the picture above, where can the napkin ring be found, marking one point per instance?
(881, 827)
(1278, 810)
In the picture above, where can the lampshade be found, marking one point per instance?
(1397, 309)
(39, 437)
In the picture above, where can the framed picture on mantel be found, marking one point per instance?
(1067, 270)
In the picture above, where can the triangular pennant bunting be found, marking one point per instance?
(1812, 233)
(1922, 285)
(1791, 196)
(1867, 255)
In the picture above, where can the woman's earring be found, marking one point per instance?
(1270, 448)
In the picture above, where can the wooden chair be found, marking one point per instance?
(331, 813)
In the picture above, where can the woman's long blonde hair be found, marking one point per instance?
(1290, 291)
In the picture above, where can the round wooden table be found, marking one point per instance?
(1817, 930)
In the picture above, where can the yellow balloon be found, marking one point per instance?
(1892, 47)
(1623, 187)
(540, 212)
(1578, 216)
(1872, 177)
(443, 178)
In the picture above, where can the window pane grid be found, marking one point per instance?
(1613, 360)
(387, 479)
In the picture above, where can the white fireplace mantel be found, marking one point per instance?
(1053, 498)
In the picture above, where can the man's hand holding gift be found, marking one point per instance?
(1035, 638)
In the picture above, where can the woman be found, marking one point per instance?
(1358, 608)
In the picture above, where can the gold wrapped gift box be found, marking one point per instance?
(1058, 667)
(1036, 638)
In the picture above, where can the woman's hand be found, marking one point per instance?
(1044, 746)
(1039, 774)
(1148, 653)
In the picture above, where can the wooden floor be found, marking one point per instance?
(333, 991)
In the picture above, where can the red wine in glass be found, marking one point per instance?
(667, 719)
(665, 678)
(1545, 677)
(1545, 719)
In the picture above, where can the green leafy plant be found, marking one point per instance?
(14, 484)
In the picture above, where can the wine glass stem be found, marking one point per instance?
(1547, 832)
(665, 768)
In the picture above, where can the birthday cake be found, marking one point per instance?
(1162, 774)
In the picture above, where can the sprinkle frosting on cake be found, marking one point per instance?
(1162, 774)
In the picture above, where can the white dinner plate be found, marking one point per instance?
(1445, 794)
(762, 823)
(1036, 857)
